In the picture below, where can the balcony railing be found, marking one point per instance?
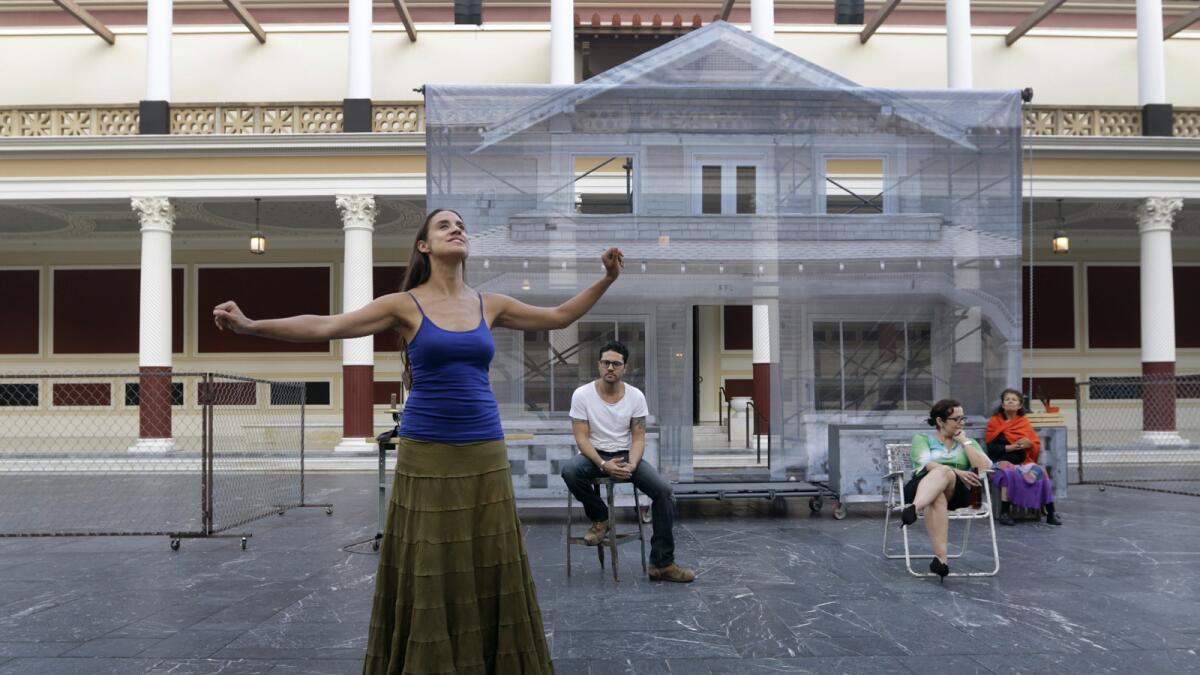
(232, 119)
(235, 119)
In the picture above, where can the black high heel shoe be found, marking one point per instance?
(939, 568)
(908, 516)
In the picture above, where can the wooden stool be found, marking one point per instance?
(611, 538)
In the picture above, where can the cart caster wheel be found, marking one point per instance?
(839, 511)
(329, 510)
(375, 545)
(779, 506)
(281, 512)
(243, 543)
(1102, 488)
(174, 544)
(815, 504)
(644, 513)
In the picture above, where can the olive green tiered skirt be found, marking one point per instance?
(454, 592)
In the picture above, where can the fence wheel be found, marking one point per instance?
(329, 510)
(243, 543)
(839, 511)
(174, 544)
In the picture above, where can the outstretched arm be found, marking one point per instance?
(380, 314)
(516, 314)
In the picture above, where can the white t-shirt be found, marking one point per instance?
(608, 423)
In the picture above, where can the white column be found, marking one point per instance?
(157, 218)
(562, 42)
(958, 44)
(358, 80)
(761, 352)
(762, 19)
(1152, 86)
(358, 354)
(1155, 217)
(158, 50)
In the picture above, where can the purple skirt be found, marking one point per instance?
(1019, 491)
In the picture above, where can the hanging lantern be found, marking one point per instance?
(1061, 244)
(258, 240)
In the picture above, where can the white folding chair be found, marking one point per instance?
(899, 465)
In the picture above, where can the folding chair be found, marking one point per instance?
(899, 465)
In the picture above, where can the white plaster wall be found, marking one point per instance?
(70, 66)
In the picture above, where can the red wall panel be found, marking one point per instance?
(1114, 306)
(387, 280)
(262, 293)
(738, 326)
(383, 392)
(1187, 319)
(19, 297)
(96, 311)
(1053, 307)
(82, 393)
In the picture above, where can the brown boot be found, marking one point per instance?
(595, 533)
(672, 572)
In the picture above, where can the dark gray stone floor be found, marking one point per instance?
(1115, 590)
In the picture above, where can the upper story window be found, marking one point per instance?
(728, 185)
(604, 183)
(854, 185)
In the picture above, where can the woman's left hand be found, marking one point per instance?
(968, 477)
(614, 262)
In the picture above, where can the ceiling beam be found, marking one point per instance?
(1181, 23)
(877, 21)
(247, 19)
(406, 19)
(85, 17)
(726, 8)
(1032, 20)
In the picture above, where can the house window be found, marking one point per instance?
(315, 393)
(854, 186)
(133, 393)
(864, 365)
(728, 186)
(24, 394)
(604, 184)
(557, 362)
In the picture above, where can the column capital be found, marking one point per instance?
(156, 214)
(358, 211)
(1157, 213)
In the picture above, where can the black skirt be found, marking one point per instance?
(960, 498)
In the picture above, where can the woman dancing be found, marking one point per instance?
(454, 591)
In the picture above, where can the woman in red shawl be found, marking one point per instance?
(1013, 446)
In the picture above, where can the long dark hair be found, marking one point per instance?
(418, 273)
(1020, 397)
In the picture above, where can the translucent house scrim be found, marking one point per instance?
(880, 228)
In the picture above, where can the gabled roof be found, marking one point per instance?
(715, 57)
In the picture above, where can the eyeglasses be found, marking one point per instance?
(957, 418)
(605, 363)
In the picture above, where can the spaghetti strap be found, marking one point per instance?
(482, 316)
(414, 299)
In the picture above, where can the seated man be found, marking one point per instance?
(609, 421)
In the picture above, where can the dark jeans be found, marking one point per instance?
(578, 474)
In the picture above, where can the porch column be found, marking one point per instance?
(155, 110)
(1152, 88)
(761, 358)
(358, 354)
(356, 109)
(562, 42)
(958, 44)
(762, 19)
(1155, 216)
(157, 217)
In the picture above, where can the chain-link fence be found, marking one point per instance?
(1139, 432)
(149, 453)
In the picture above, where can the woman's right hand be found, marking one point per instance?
(228, 316)
(968, 477)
